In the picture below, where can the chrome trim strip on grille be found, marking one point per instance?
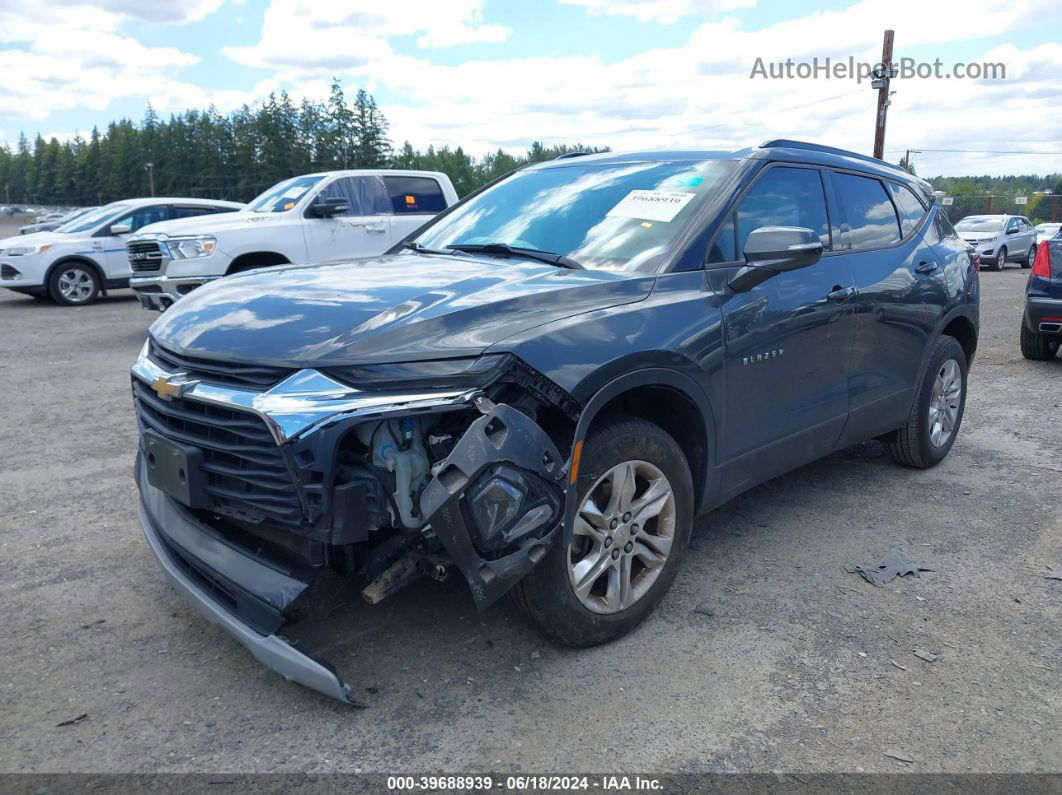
(302, 401)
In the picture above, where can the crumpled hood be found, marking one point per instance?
(403, 307)
(202, 224)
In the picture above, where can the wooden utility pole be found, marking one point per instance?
(881, 83)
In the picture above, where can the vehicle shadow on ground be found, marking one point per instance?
(29, 302)
(389, 653)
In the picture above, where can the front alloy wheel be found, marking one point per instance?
(623, 535)
(1001, 259)
(632, 525)
(74, 284)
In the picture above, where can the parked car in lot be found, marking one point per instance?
(77, 262)
(1047, 231)
(313, 218)
(47, 224)
(1041, 325)
(999, 239)
(545, 385)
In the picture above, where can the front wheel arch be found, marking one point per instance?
(652, 377)
(256, 259)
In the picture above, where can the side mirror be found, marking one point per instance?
(121, 228)
(771, 250)
(1013, 231)
(326, 208)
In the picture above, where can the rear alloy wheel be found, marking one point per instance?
(630, 532)
(927, 436)
(1001, 260)
(1038, 347)
(74, 284)
(1028, 261)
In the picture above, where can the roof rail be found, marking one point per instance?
(831, 150)
(568, 155)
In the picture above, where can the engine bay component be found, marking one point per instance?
(397, 446)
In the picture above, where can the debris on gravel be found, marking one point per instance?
(894, 564)
(928, 656)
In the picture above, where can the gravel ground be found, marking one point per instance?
(768, 654)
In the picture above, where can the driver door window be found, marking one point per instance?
(362, 230)
(784, 197)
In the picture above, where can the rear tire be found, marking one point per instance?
(921, 442)
(1028, 261)
(1036, 346)
(609, 550)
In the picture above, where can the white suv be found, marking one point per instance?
(83, 258)
(331, 216)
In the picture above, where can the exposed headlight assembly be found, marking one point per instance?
(438, 373)
(190, 247)
(25, 251)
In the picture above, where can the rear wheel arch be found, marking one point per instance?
(962, 328)
(256, 259)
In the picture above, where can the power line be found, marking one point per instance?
(985, 151)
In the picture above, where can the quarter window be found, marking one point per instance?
(911, 210)
(412, 195)
(723, 249)
(871, 217)
(784, 197)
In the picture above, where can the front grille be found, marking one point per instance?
(247, 477)
(145, 256)
(244, 376)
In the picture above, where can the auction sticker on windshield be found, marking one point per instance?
(653, 205)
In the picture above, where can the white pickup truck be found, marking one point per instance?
(330, 216)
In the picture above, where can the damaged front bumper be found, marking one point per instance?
(245, 597)
(253, 598)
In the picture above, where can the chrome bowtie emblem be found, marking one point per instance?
(172, 386)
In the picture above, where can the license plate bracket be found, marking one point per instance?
(175, 469)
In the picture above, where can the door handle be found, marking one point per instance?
(927, 266)
(838, 294)
(375, 228)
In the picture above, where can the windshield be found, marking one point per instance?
(980, 225)
(614, 216)
(94, 219)
(281, 198)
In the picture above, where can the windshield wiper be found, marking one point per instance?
(412, 245)
(505, 249)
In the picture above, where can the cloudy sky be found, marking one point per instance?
(500, 73)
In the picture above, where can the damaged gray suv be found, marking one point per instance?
(541, 389)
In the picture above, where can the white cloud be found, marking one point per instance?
(70, 54)
(308, 34)
(665, 11)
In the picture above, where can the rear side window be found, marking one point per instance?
(410, 195)
(911, 210)
(784, 197)
(871, 217)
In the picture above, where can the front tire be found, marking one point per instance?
(926, 438)
(632, 527)
(1001, 260)
(74, 284)
(1036, 346)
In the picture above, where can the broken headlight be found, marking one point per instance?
(436, 374)
(507, 504)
